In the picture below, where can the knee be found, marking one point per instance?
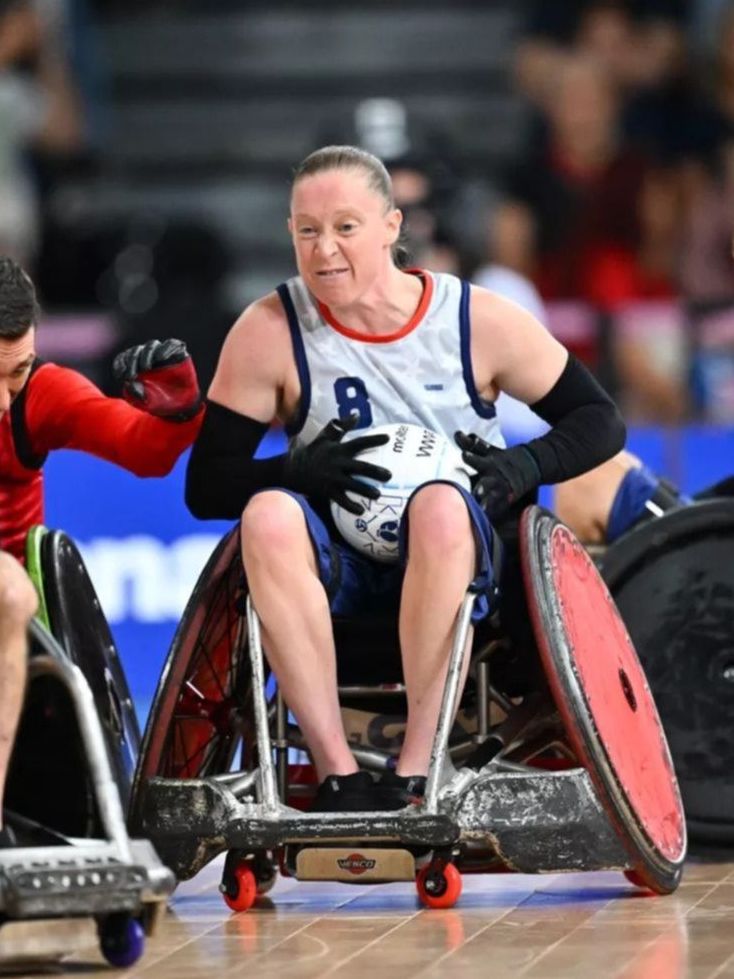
(18, 599)
(272, 523)
(439, 524)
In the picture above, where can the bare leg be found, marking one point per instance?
(584, 503)
(17, 604)
(441, 561)
(297, 633)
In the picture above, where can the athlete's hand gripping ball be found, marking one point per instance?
(159, 377)
(505, 475)
(327, 467)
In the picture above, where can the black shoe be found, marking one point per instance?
(7, 838)
(346, 793)
(398, 791)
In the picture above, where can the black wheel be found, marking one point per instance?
(603, 698)
(202, 706)
(673, 581)
(77, 622)
(49, 781)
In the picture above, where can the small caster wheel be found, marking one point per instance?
(121, 939)
(240, 888)
(439, 885)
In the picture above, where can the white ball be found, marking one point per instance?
(414, 455)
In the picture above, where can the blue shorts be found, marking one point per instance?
(630, 501)
(356, 584)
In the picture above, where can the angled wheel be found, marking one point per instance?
(673, 582)
(603, 697)
(202, 705)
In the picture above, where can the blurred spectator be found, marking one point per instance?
(642, 47)
(668, 111)
(704, 24)
(439, 205)
(721, 68)
(706, 272)
(62, 132)
(631, 40)
(21, 118)
(39, 113)
(574, 206)
(511, 285)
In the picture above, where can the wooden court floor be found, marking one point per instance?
(594, 926)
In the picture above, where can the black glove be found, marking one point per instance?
(159, 377)
(504, 475)
(327, 466)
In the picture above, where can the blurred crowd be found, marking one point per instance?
(43, 124)
(613, 224)
(618, 215)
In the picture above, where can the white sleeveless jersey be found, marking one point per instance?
(421, 374)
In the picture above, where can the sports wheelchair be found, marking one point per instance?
(672, 579)
(69, 779)
(555, 769)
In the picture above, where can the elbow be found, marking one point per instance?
(196, 501)
(200, 495)
(198, 511)
(611, 435)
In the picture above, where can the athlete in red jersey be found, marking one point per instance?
(44, 407)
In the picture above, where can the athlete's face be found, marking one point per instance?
(343, 233)
(16, 358)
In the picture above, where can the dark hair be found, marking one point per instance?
(354, 158)
(19, 309)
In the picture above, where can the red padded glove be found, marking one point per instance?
(159, 377)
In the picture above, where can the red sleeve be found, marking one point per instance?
(64, 410)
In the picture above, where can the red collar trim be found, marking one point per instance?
(411, 325)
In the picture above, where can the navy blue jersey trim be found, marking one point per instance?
(299, 352)
(485, 409)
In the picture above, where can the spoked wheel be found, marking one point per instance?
(602, 695)
(202, 704)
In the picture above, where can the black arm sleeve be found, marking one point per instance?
(222, 473)
(587, 427)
